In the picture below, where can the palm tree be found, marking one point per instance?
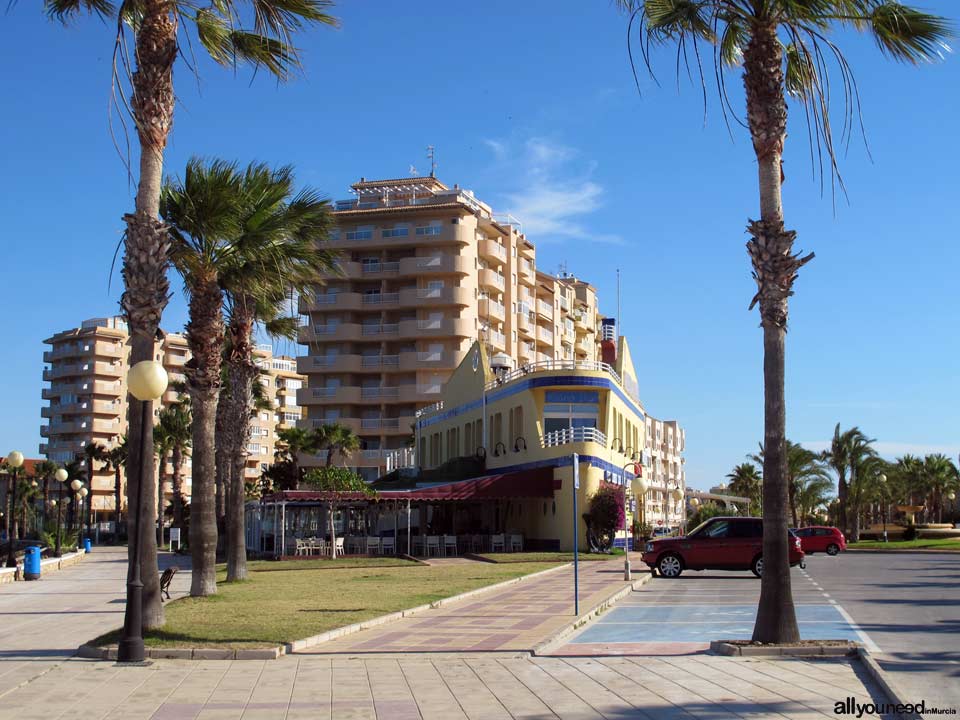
(941, 477)
(781, 48)
(281, 232)
(92, 452)
(162, 31)
(117, 459)
(162, 445)
(745, 481)
(336, 438)
(202, 218)
(43, 471)
(865, 467)
(290, 445)
(177, 426)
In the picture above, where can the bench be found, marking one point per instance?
(166, 577)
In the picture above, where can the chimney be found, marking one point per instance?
(608, 341)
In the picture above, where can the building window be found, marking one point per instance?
(396, 231)
(363, 232)
(565, 409)
(432, 229)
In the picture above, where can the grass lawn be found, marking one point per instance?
(930, 543)
(290, 600)
(541, 557)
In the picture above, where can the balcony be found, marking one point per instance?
(386, 267)
(524, 325)
(585, 346)
(491, 280)
(377, 362)
(526, 353)
(421, 392)
(526, 273)
(447, 327)
(379, 393)
(574, 435)
(328, 396)
(493, 251)
(544, 336)
(497, 340)
(544, 310)
(493, 309)
(435, 265)
(436, 297)
(424, 360)
(327, 333)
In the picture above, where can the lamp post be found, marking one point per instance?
(883, 484)
(14, 460)
(75, 485)
(83, 496)
(60, 476)
(147, 381)
(639, 489)
(626, 549)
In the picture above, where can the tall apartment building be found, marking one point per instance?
(87, 397)
(665, 443)
(426, 270)
(280, 382)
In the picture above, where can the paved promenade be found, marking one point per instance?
(513, 619)
(48, 619)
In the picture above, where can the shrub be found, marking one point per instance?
(705, 513)
(911, 533)
(605, 515)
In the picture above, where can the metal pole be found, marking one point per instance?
(626, 542)
(576, 540)
(130, 648)
(409, 546)
(59, 514)
(11, 557)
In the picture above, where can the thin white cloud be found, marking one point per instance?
(554, 191)
(894, 449)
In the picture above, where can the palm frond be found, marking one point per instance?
(66, 10)
(910, 35)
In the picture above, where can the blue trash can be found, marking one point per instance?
(87, 545)
(31, 563)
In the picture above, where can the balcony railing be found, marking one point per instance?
(381, 267)
(553, 365)
(371, 393)
(574, 435)
(385, 329)
(381, 298)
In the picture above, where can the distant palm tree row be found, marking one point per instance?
(866, 484)
(286, 472)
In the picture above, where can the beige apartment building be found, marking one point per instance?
(87, 371)
(664, 467)
(426, 270)
(280, 382)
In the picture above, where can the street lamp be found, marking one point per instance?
(83, 496)
(883, 484)
(60, 476)
(147, 381)
(626, 553)
(14, 460)
(74, 508)
(639, 489)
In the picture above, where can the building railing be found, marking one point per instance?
(574, 435)
(402, 458)
(381, 298)
(553, 365)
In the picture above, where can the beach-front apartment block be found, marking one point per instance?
(87, 368)
(426, 270)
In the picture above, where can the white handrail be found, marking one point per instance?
(572, 435)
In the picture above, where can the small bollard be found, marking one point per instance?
(31, 563)
(87, 545)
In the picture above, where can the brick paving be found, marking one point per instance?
(47, 620)
(514, 618)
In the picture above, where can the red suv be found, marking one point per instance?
(721, 543)
(819, 538)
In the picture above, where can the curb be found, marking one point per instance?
(9, 575)
(882, 678)
(904, 551)
(92, 652)
(298, 645)
(722, 647)
(548, 645)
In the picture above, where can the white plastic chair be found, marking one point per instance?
(433, 545)
(496, 541)
(303, 547)
(450, 545)
(340, 546)
(389, 546)
(516, 543)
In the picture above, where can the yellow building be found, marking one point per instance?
(526, 424)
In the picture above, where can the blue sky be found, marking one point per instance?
(532, 105)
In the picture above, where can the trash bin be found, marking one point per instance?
(31, 563)
(87, 545)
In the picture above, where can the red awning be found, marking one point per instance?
(537, 483)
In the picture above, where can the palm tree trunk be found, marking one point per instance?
(241, 374)
(116, 505)
(177, 487)
(775, 268)
(223, 461)
(161, 483)
(145, 257)
(205, 339)
(792, 496)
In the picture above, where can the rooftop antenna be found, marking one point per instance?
(413, 171)
(562, 269)
(432, 157)
(619, 319)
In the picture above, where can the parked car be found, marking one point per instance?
(661, 532)
(820, 538)
(720, 543)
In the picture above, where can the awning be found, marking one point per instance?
(538, 483)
